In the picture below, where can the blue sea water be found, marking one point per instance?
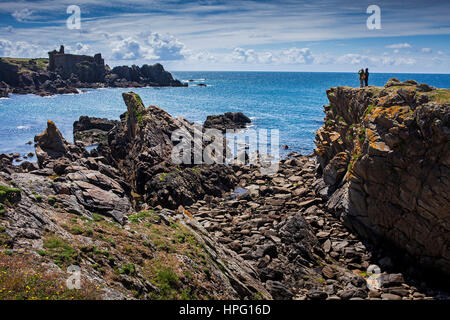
(290, 102)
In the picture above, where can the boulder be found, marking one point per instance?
(90, 130)
(229, 120)
(51, 145)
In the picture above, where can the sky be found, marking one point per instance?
(237, 35)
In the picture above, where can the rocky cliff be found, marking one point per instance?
(383, 155)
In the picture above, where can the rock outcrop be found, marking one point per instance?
(91, 130)
(384, 158)
(141, 147)
(4, 90)
(51, 145)
(229, 120)
(63, 73)
(31, 76)
(134, 76)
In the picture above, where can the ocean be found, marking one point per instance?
(288, 101)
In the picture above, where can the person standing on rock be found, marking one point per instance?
(361, 77)
(366, 77)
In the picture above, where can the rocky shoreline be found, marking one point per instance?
(73, 73)
(142, 227)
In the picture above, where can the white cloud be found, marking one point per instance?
(166, 47)
(354, 58)
(9, 29)
(385, 60)
(440, 52)
(297, 56)
(426, 50)
(399, 46)
(79, 48)
(20, 49)
(153, 46)
(22, 15)
(289, 56)
(203, 56)
(128, 49)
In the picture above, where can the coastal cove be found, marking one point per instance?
(290, 102)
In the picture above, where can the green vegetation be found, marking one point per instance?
(362, 135)
(258, 296)
(140, 216)
(4, 237)
(97, 217)
(440, 96)
(61, 253)
(76, 230)
(27, 65)
(168, 283)
(32, 281)
(128, 268)
(8, 194)
(352, 161)
(369, 109)
(51, 200)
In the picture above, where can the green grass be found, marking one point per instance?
(369, 109)
(362, 135)
(128, 269)
(440, 96)
(76, 230)
(168, 283)
(51, 200)
(61, 253)
(97, 217)
(28, 65)
(9, 194)
(136, 218)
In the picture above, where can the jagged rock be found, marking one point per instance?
(4, 90)
(155, 75)
(229, 120)
(51, 145)
(278, 290)
(90, 130)
(141, 147)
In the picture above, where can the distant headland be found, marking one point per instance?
(64, 73)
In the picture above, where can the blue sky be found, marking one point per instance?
(287, 35)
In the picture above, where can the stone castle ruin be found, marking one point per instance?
(86, 68)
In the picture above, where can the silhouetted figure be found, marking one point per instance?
(366, 77)
(361, 77)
